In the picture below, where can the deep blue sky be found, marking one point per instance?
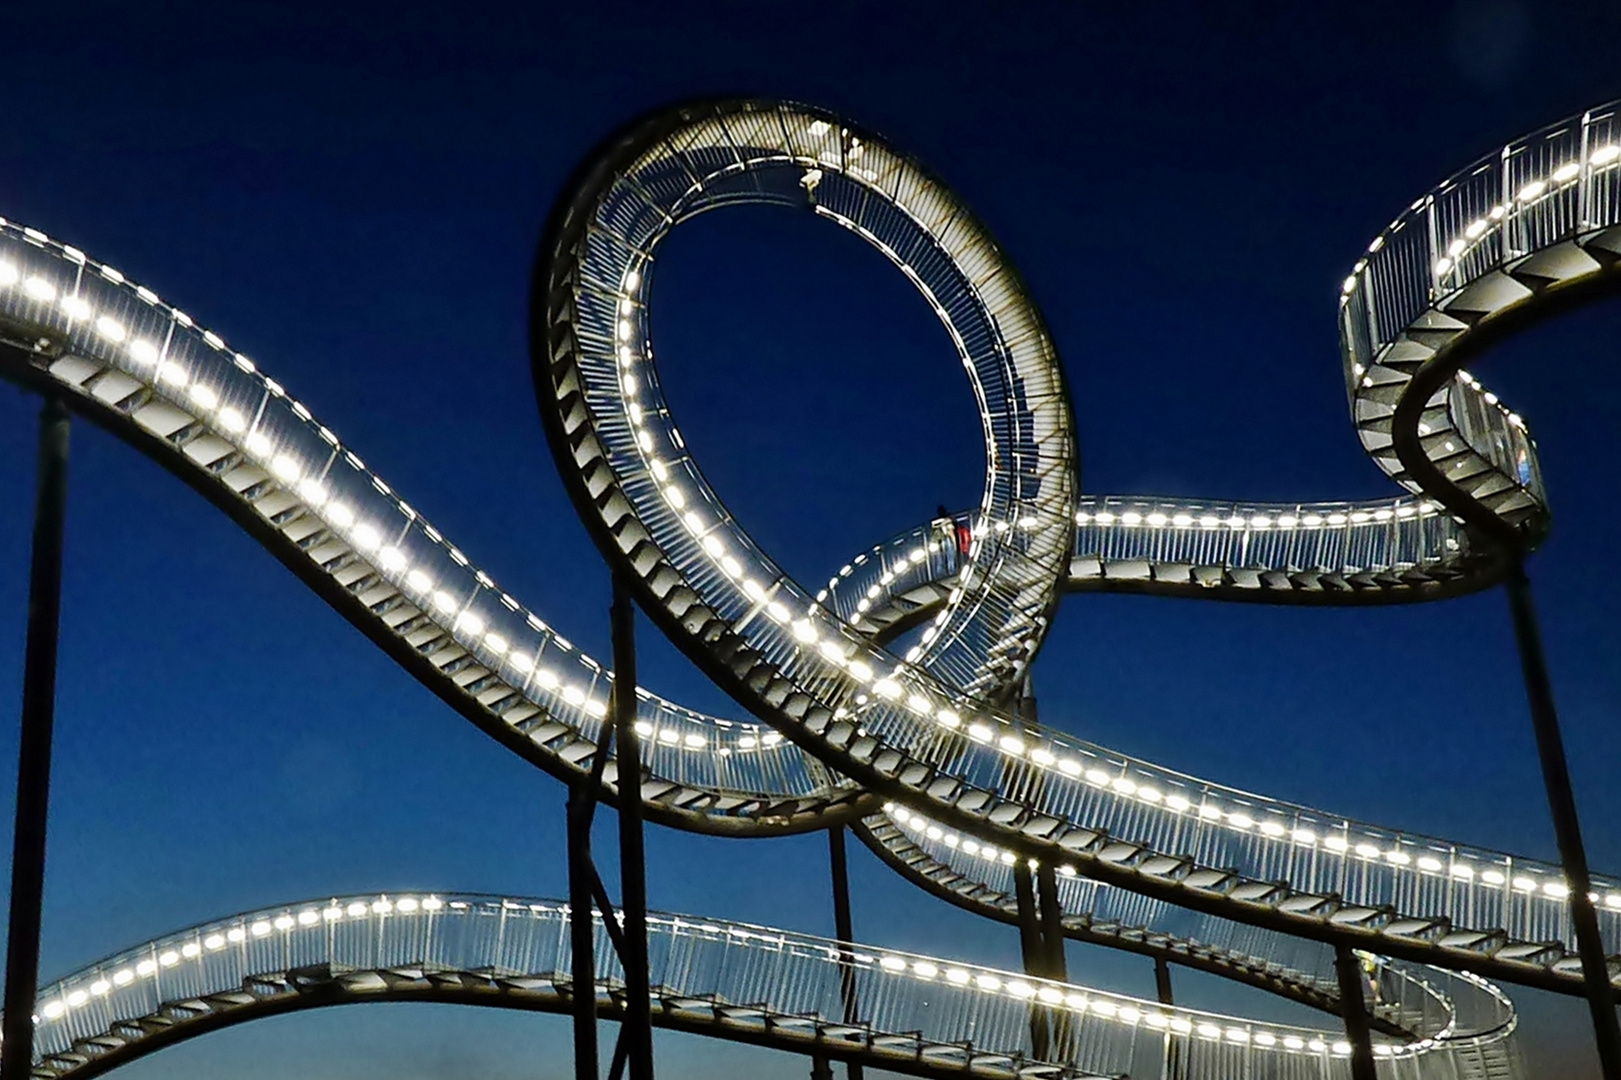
(353, 197)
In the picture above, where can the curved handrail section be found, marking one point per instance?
(918, 1015)
(119, 355)
(1410, 1001)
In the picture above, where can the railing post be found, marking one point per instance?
(843, 929)
(1031, 950)
(1354, 1012)
(1566, 825)
(34, 753)
(638, 1019)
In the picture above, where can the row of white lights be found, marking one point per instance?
(1124, 1011)
(864, 666)
(1604, 157)
(1158, 519)
(218, 940)
(366, 538)
(892, 688)
(1272, 829)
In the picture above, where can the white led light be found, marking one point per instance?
(171, 374)
(39, 289)
(1567, 171)
(1531, 190)
(284, 468)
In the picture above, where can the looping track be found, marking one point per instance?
(949, 786)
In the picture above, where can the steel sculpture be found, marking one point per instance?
(926, 754)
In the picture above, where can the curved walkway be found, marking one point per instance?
(845, 726)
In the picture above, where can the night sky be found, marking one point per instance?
(354, 197)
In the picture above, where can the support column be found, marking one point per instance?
(582, 935)
(34, 755)
(1170, 1064)
(1056, 964)
(1354, 1012)
(638, 1019)
(843, 929)
(1566, 825)
(1031, 949)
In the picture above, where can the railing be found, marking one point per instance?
(716, 972)
(176, 377)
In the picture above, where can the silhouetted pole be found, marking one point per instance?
(1170, 1066)
(1566, 826)
(1354, 1012)
(34, 753)
(582, 935)
(638, 1019)
(1032, 951)
(1052, 923)
(1055, 964)
(844, 930)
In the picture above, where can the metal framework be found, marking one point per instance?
(915, 751)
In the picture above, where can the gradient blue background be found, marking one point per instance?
(353, 198)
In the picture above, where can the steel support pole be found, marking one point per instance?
(1354, 1012)
(34, 754)
(1566, 826)
(582, 935)
(638, 1019)
(1030, 949)
(844, 930)
(1052, 923)
(1055, 964)
(1170, 1063)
